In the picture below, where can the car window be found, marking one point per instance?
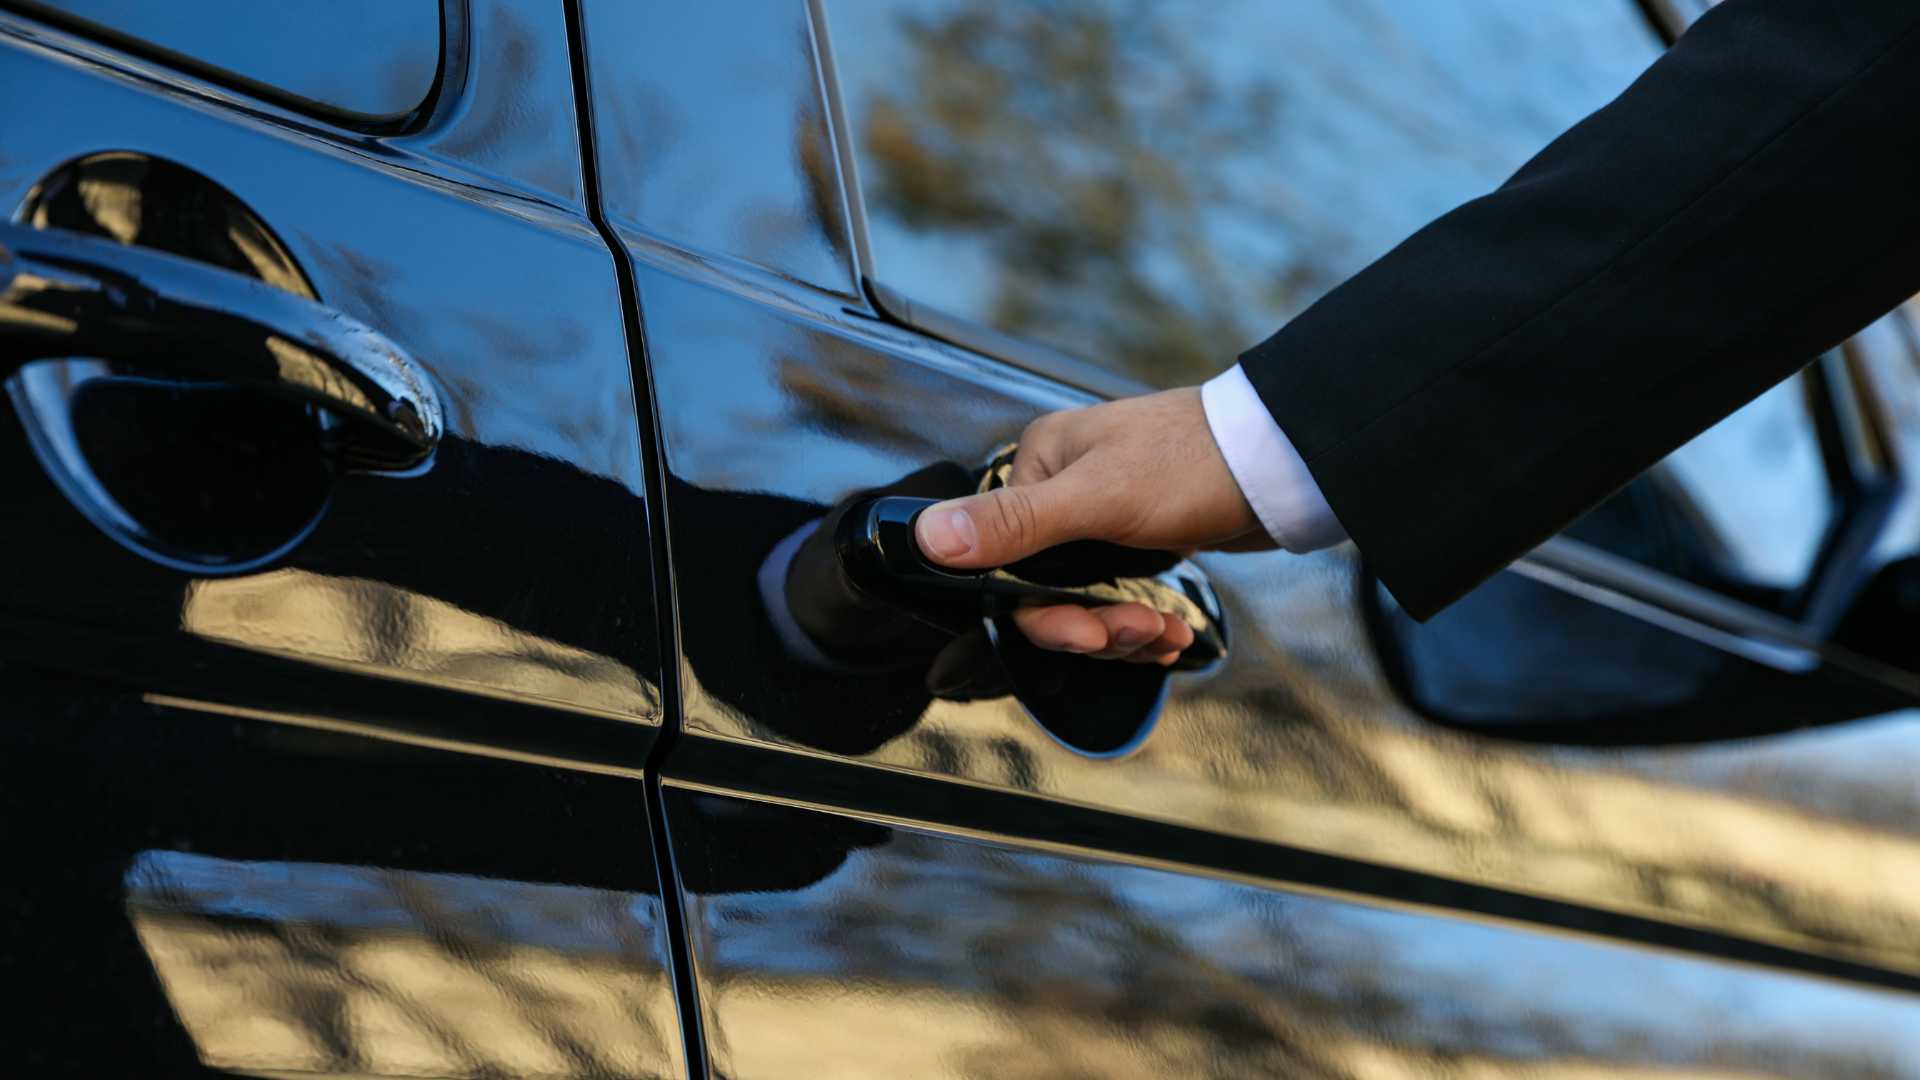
(367, 60)
(1758, 482)
(1155, 187)
(1745, 505)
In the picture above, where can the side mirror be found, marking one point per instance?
(1633, 628)
(1884, 623)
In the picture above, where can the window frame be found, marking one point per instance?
(448, 74)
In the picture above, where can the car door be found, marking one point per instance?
(869, 237)
(327, 637)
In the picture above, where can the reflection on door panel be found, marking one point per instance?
(923, 955)
(368, 804)
(417, 577)
(365, 971)
(1299, 739)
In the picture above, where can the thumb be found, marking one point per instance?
(1001, 526)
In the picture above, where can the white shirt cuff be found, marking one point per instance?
(1270, 472)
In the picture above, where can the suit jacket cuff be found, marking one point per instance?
(772, 582)
(1270, 472)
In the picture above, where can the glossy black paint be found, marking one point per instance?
(197, 889)
(888, 951)
(1621, 679)
(1297, 764)
(376, 807)
(149, 375)
(539, 463)
(712, 135)
(1298, 739)
(389, 807)
(498, 128)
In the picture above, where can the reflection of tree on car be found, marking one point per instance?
(1153, 186)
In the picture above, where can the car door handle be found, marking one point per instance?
(65, 294)
(879, 555)
(261, 394)
(865, 598)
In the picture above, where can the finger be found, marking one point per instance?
(1000, 526)
(1166, 648)
(1176, 636)
(1130, 628)
(1062, 628)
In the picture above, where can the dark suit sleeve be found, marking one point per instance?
(1749, 202)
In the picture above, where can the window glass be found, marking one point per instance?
(369, 60)
(1153, 187)
(1759, 484)
(1744, 506)
(1156, 186)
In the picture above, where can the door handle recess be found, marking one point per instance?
(138, 334)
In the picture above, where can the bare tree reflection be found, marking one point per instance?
(1079, 141)
(1155, 186)
(362, 971)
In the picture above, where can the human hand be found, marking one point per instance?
(1144, 472)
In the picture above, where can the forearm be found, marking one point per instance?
(1746, 204)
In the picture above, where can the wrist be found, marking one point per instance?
(1272, 477)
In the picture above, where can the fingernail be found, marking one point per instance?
(1127, 639)
(946, 534)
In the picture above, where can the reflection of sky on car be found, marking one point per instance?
(1390, 113)
(730, 369)
(713, 133)
(1759, 479)
(1889, 350)
(376, 57)
(368, 898)
(1864, 770)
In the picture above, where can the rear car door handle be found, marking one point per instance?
(76, 309)
(64, 294)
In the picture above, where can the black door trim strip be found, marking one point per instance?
(934, 805)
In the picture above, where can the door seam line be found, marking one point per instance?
(660, 557)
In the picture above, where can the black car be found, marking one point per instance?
(424, 654)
